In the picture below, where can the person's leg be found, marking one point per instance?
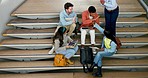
(69, 53)
(107, 20)
(98, 61)
(56, 29)
(76, 48)
(114, 17)
(92, 36)
(71, 29)
(83, 36)
(100, 55)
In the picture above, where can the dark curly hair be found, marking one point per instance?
(67, 5)
(59, 35)
(92, 9)
(109, 35)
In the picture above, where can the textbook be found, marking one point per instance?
(73, 43)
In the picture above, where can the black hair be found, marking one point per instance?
(59, 35)
(92, 9)
(109, 35)
(67, 5)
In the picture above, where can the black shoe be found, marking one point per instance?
(92, 67)
(97, 74)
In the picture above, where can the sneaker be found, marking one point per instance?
(70, 62)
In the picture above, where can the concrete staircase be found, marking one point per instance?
(30, 38)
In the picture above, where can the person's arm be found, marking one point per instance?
(85, 20)
(113, 47)
(57, 46)
(69, 39)
(63, 21)
(102, 45)
(75, 15)
(97, 19)
(99, 28)
(113, 4)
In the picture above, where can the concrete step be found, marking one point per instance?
(34, 66)
(49, 23)
(12, 52)
(123, 53)
(26, 10)
(116, 74)
(47, 33)
(27, 43)
(47, 43)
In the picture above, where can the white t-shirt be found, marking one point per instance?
(110, 4)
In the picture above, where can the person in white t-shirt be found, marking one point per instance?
(111, 15)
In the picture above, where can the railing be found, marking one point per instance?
(144, 3)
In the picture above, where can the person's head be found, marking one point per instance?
(92, 10)
(59, 35)
(109, 35)
(68, 7)
(61, 30)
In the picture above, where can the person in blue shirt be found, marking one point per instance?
(68, 18)
(108, 48)
(111, 14)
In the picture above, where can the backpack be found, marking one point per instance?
(86, 58)
(59, 60)
(119, 44)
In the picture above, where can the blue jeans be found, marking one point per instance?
(110, 20)
(100, 55)
(69, 52)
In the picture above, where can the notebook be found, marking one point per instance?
(73, 43)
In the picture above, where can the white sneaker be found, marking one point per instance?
(51, 51)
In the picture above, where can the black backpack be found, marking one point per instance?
(86, 58)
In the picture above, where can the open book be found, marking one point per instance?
(73, 43)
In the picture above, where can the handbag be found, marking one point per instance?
(86, 58)
(59, 60)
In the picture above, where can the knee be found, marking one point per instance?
(92, 32)
(73, 25)
(76, 48)
(98, 55)
(83, 32)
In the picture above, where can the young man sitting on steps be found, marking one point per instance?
(89, 17)
(68, 18)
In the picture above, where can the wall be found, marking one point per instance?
(6, 8)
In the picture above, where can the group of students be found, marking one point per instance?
(90, 22)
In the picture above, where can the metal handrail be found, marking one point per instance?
(145, 6)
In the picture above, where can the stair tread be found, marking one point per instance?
(116, 74)
(55, 20)
(44, 31)
(38, 52)
(29, 5)
(27, 41)
(49, 41)
(106, 62)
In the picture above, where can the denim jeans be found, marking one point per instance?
(110, 20)
(100, 55)
(69, 52)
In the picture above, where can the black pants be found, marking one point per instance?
(110, 20)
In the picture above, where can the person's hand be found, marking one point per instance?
(74, 20)
(102, 2)
(67, 46)
(102, 49)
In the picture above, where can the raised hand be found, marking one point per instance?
(102, 2)
(74, 19)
